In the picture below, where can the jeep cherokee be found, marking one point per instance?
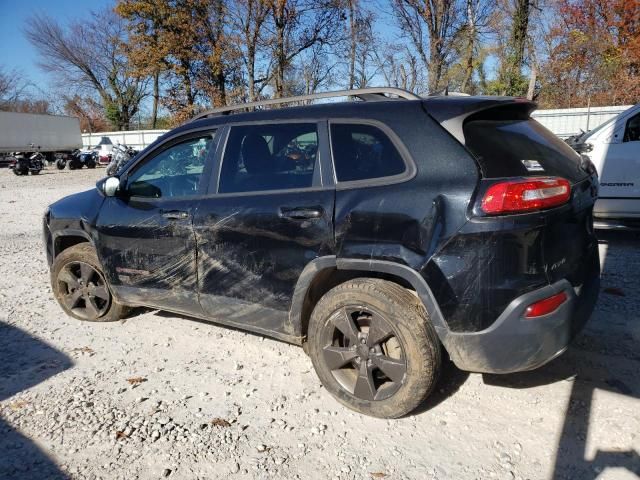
(379, 234)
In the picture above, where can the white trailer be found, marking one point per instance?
(29, 132)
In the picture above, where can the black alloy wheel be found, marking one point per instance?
(363, 353)
(373, 347)
(83, 290)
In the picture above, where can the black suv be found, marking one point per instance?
(378, 234)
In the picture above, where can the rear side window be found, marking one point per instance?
(362, 152)
(269, 157)
(520, 148)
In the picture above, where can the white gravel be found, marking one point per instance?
(208, 402)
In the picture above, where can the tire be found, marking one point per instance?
(410, 351)
(91, 163)
(111, 169)
(35, 172)
(17, 171)
(72, 165)
(60, 164)
(81, 262)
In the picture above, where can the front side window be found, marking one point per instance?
(269, 157)
(632, 132)
(362, 152)
(174, 172)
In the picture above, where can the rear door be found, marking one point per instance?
(268, 214)
(620, 169)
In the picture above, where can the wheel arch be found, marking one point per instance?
(68, 238)
(324, 273)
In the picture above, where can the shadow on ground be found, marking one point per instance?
(25, 361)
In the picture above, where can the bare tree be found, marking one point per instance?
(89, 55)
(361, 42)
(400, 68)
(297, 26)
(431, 26)
(13, 87)
(248, 18)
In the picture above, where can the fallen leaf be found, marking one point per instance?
(120, 435)
(18, 404)
(136, 380)
(614, 291)
(220, 422)
(378, 475)
(88, 350)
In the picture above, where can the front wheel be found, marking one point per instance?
(80, 288)
(60, 164)
(374, 348)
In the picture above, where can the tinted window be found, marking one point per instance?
(269, 157)
(632, 132)
(173, 172)
(363, 152)
(514, 148)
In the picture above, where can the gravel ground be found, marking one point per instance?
(160, 395)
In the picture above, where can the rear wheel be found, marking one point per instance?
(374, 348)
(80, 288)
(60, 164)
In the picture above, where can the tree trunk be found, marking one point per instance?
(532, 82)
(251, 72)
(471, 37)
(435, 65)
(156, 99)
(515, 57)
(353, 43)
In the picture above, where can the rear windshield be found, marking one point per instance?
(520, 148)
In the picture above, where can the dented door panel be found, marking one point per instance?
(149, 253)
(250, 255)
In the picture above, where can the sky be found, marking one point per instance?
(15, 51)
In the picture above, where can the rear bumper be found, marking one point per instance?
(514, 343)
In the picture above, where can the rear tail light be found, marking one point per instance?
(526, 195)
(548, 305)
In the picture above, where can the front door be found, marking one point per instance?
(620, 172)
(146, 240)
(267, 219)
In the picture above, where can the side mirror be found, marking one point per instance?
(109, 186)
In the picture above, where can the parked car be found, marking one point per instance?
(614, 150)
(377, 234)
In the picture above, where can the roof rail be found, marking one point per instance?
(366, 94)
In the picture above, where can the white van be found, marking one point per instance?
(614, 149)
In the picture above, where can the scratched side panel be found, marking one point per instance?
(250, 258)
(149, 259)
(409, 222)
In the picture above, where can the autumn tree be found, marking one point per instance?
(593, 54)
(89, 112)
(146, 21)
(90, 56)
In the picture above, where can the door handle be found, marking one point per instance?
(301, 213)
(174, 214)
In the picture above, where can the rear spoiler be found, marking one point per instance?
(453, 112)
